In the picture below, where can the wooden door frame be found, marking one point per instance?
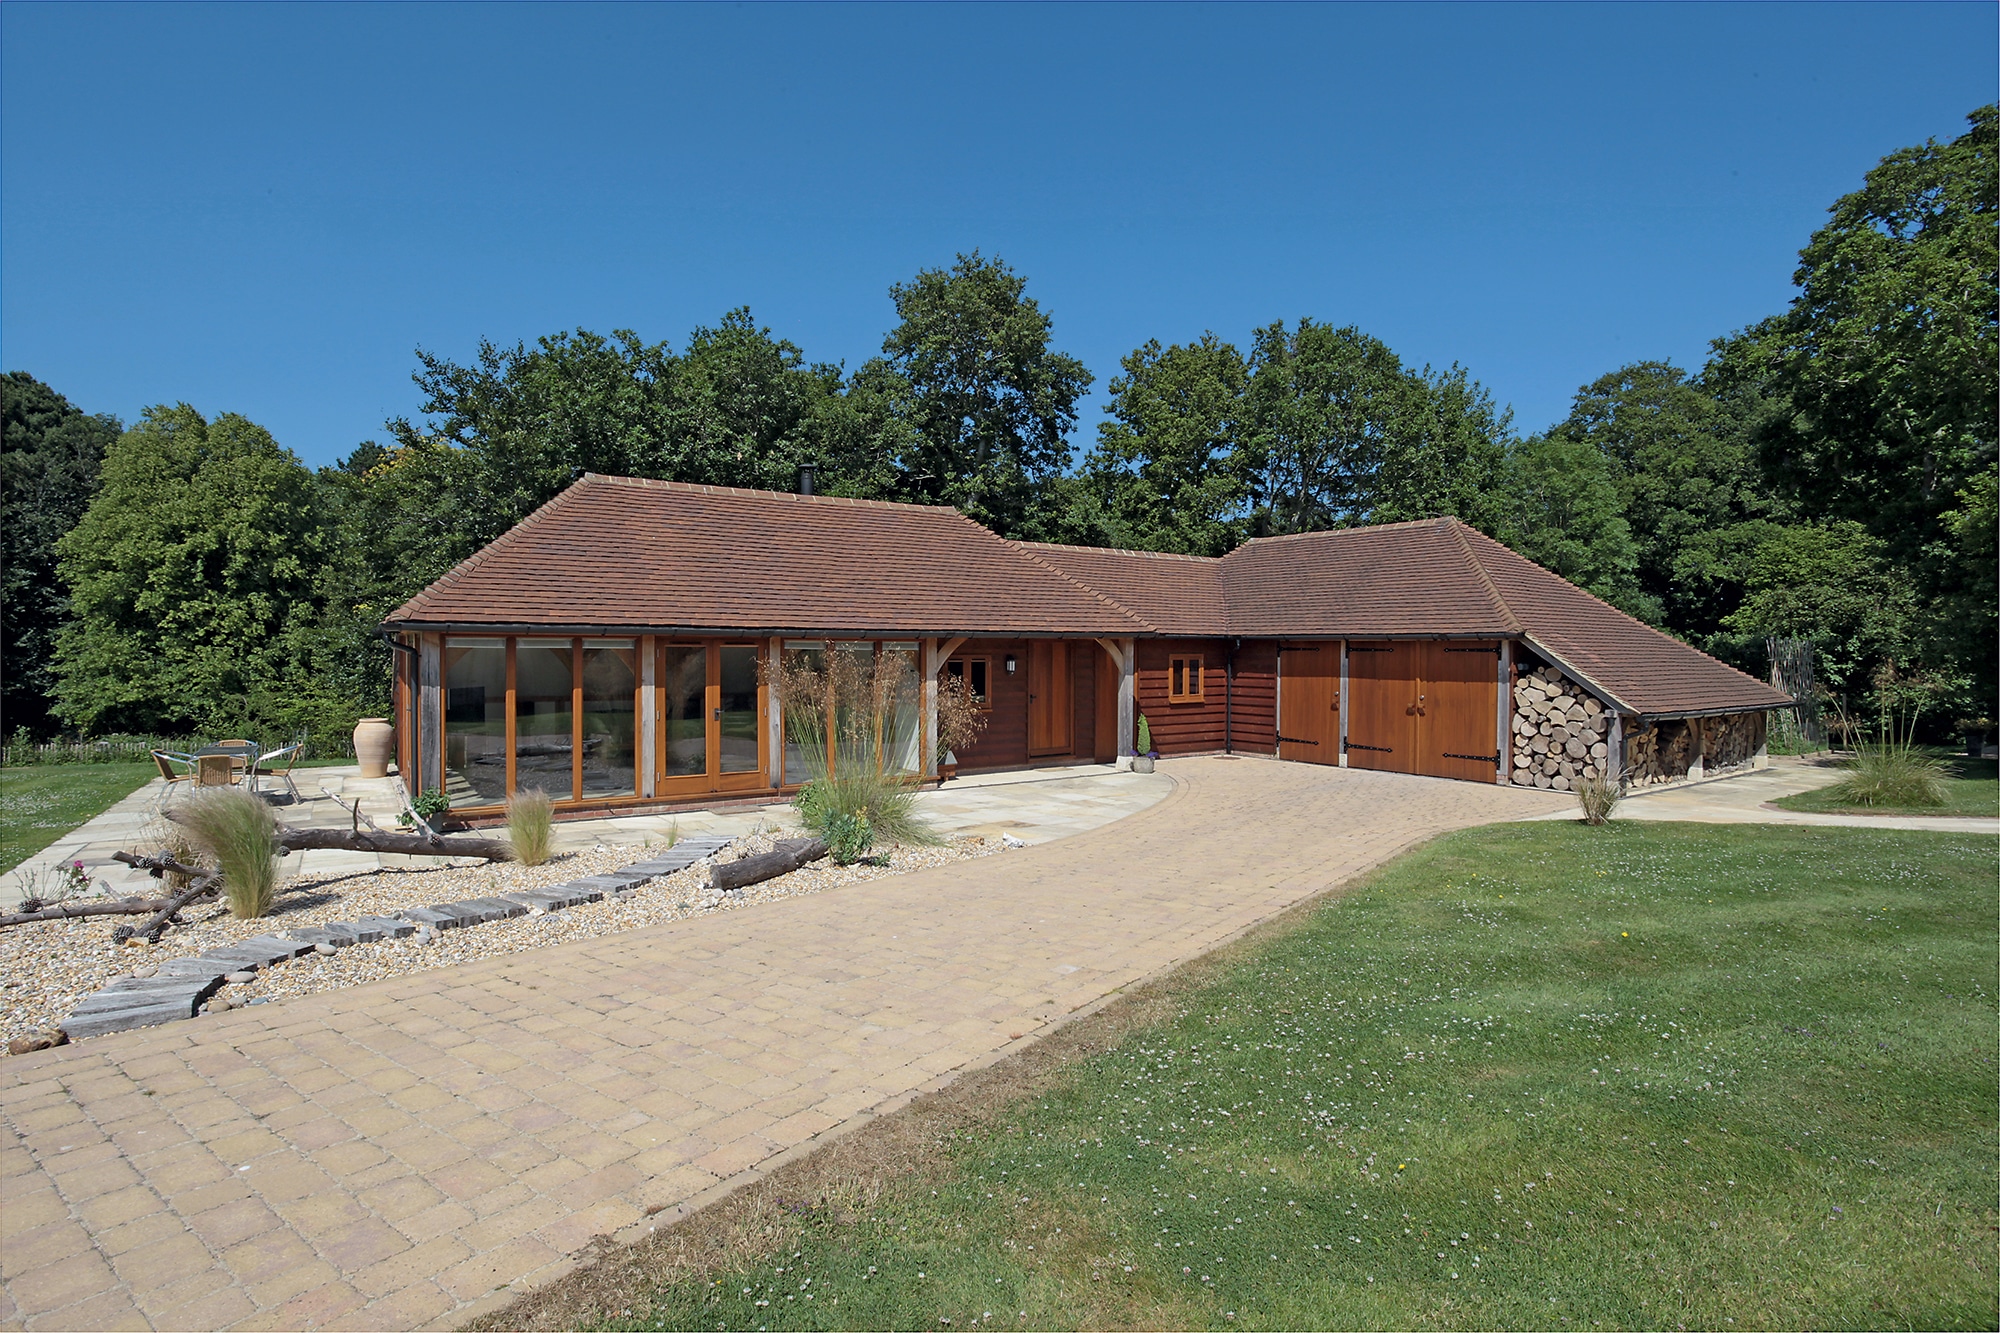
(712, 700)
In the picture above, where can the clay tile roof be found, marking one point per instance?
(1440, 577)
(625, 553)
(1177, 594)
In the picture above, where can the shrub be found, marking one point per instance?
(430, 807)
(239, 835)
(1597, 797)
(846, 716)
(1891, 773)
(530, 825)
(848, 837)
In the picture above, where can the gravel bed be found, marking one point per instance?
(47, 967)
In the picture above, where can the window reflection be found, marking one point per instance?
(610, 733)
(475, 721)
(543, 718)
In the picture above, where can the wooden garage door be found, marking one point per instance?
(1382, 705)
(1309, 703)
(1457, 727)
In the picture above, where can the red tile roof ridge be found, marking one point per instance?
(1660, 634)
(492, 550)
(1126, 550)
(1359, 527)
(1079, 584)
(1507, 616)
(706, 489)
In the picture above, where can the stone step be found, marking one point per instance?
(198, 967)
(383, 927)
(78, 1026)
(501, 907)
(327, 934)
(148, 990)
(430, 916)
(280, 948)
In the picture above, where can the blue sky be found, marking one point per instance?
(266, 208)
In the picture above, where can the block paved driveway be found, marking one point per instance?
(398, 1154)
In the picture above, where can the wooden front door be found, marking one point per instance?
(709, 706)
(1309, 703)
(1458, 729)
(1051, 716)
(1382, 690)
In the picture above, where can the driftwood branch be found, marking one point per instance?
(62, 911)
(402, 844)
(399, 844)
(155, 927)
(786, 857)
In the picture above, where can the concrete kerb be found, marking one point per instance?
(669, 1215)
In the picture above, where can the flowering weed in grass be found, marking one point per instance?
(1535, 1075)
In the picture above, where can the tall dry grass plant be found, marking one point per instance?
(531, 819)
(855, 718)
(238, 835)
(1597, 798)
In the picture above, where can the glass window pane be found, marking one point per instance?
(610, 732)
(855, 739)
(738, 723)
(542, 718)
(684, 687)
(803, 656)
(979, 665)
(475, 721)
(901, 689)
(1174, 689)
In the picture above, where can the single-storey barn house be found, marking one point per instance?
(611, 650)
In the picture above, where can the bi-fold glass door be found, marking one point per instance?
(710, 705)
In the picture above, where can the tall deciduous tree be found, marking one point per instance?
(1448, 455)
(1682, 464)
(50, 452)
(1887, 358)
(1325, 407)
(192, 577)
(1164, 474)
(1832, 584)
(987, 401)
(1560, 509)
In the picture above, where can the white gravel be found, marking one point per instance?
(46, 967)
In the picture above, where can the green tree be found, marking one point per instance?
(1559, 507)
(987, 404)
(1687, 480)
(1886, 361)
(191, 577)
(50, 452)
(1325, 407)
(1448, 455)
(1164, 474)
(1834, 585)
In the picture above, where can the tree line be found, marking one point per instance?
(1827, 474)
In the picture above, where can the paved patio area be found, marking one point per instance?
(400, 1154)
(1032, 806)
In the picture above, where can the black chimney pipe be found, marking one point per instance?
(805, 479)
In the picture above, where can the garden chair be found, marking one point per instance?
(166, 759)
(279, 764)
(215, 770)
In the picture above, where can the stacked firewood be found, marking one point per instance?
(1561, 733)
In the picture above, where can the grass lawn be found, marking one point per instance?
(41, 803)
(1972, 787)
(1530, 1076)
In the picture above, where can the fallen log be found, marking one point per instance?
(157, 926)
(398, 844)
(61, 911)
(783, 859)
(401, 844)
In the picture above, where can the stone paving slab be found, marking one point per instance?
(401, 1154)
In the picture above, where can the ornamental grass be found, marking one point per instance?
(238, 835)
(531, 826)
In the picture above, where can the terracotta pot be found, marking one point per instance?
(374, 746)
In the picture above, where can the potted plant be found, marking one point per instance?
(1142, 761)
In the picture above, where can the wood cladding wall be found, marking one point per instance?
(1004, 742)
(1182, 728)
(1253, 721)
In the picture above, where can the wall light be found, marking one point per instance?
(1010, 664)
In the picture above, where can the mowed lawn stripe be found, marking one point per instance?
(1532, 1075)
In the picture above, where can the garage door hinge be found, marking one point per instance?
(1495, 650)
(1378, 749)
(1492, 759)
(1297, 740)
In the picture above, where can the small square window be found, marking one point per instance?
(1183, 680)
(977, 670)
